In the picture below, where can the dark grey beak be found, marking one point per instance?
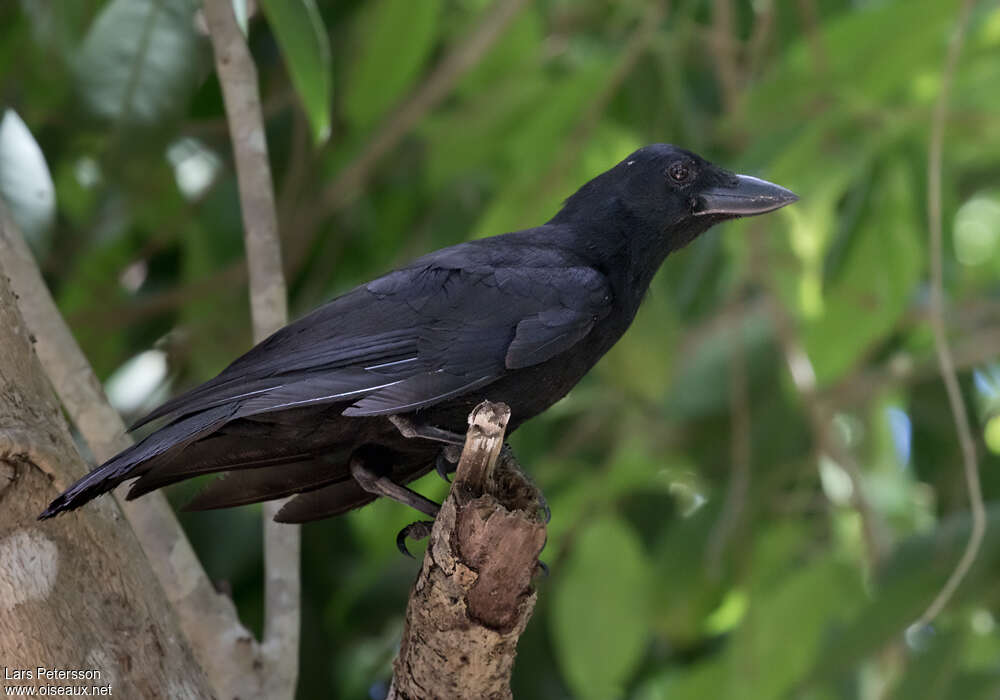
(747, 196)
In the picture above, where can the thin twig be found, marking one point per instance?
(218, 127)
(826, 442)
(945, 358)
(972, 349)
(441, 81)
(232, 276)
(268, 304)
(634, 47)
(632, 50)
(873, 529)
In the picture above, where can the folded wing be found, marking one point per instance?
(410, 340)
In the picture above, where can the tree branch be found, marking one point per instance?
(945, 359)
(442, 80)
(971, 349)
(207, 619)
(84, 569)
(473, 597)
(633, 48)
(825, 441)
(268, 305)
(800, 367)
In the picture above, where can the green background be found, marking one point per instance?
(705, 540)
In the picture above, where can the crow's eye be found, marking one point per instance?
(679, 172)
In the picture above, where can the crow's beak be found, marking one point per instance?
(746, 196)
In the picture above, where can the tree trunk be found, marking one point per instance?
(76, 593)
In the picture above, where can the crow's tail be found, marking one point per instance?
(132, 462)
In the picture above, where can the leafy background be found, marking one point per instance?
(707, 539)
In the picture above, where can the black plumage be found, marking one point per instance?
(518, 318)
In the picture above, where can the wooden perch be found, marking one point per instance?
(473, 597)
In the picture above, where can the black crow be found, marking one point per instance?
(338, 406)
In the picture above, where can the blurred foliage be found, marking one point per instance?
(702, 545)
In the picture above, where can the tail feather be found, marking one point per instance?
(267, 484)
(325, 502)
(132, 462)
(179, 468)
(334, 499)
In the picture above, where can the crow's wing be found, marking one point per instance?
(442, 327)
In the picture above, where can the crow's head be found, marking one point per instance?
(672, 194)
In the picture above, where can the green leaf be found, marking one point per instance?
(394, 40)
(25, 182)
(905, 585)
(514, 54)
(930, 674)
(56, 26)
(600, 609)
(686, 593)
(869, 295)
(141, 60)
(789, 620)
(472, 136)
(305, 46)
(704, 680)
(901, 44)
(534, 148)
(701, 383)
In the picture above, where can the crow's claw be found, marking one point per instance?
(443, 466)
(414, 531)
(543, 506)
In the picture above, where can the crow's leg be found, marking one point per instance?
(371, 482)
(414, 531)
(448, 457)
(408, 429)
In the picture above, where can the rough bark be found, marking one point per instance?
(207, 618)
(75, 593)
(473, 597)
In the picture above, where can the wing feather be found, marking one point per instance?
(417, 392)
(545, 335)
(413, 338)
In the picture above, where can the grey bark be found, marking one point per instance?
(207, 618)
(75, 593)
